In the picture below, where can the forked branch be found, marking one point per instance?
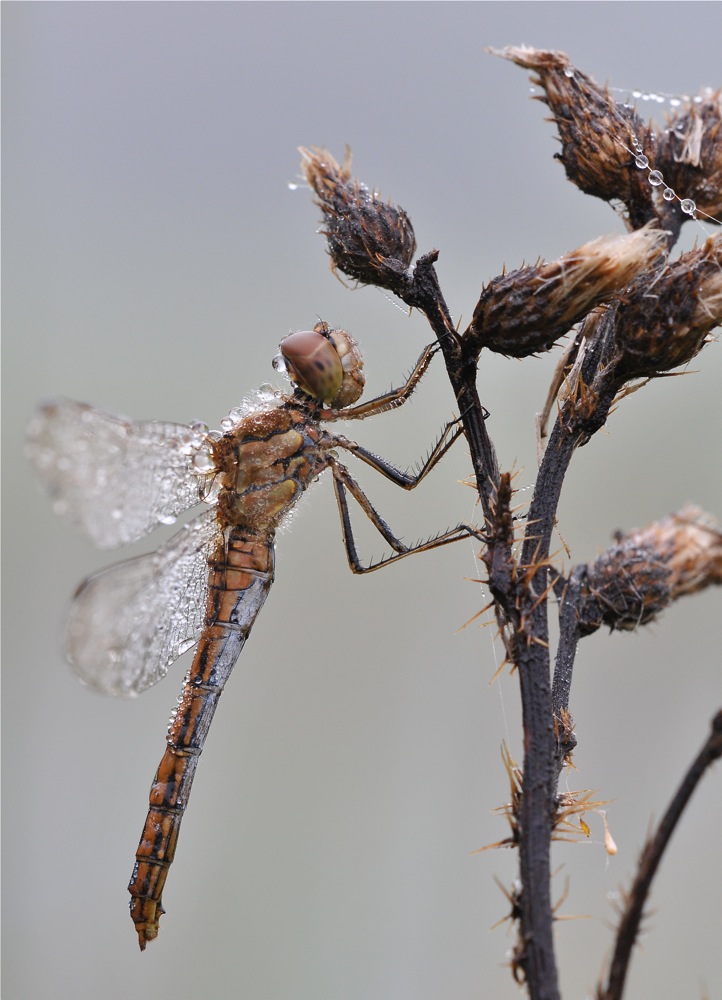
(636, 315)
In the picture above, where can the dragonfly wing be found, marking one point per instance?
(128, 623)
(117, 478)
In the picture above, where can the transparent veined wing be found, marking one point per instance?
(129, 622)
(116, 478)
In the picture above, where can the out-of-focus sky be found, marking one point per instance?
(154, 256)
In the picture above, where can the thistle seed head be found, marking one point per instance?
(649, 568)
(689, 153)
(666, 317)
(526, 311)
(369, 240)
(595, 131)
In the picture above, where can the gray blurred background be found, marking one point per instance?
(154, 256)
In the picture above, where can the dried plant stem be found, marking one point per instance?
(649, 863)
(640, 316)
(538, 800)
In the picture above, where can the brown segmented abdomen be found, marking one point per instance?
(241, 573)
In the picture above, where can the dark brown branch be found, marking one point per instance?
(649, 863)
(566, 653)
(536, 955)
(424, 293)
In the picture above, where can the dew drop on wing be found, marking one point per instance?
(184, 646)
(203, 461)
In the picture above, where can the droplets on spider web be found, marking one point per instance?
(655, 178)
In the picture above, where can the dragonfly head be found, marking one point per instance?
(326, 364)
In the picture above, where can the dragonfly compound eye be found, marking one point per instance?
(313, 363)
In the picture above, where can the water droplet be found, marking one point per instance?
(292, 186)
(227, 424)
(198, 426)
(668, 194)
(645, 97)
(642, 161)
(203, 461)
(211, 491)
(655, 178)
(116, 513)
(636, 94)
(167, 519)
(688, 206)
(278, 363)
(674, 102)
(187, 644)
(569, 71)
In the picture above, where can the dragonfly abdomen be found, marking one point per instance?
(241, 573)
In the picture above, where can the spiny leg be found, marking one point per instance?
(406, 480)
(343, 480)
(387, 400)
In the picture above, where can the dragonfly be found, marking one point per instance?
(119, 479)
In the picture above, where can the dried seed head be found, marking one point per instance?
(689, 154)
(649, 568)
(369, 240)
(594, 129)
(525, 311)
(666, 318)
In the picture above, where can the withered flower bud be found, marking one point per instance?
(524, 312)
(369, 240)
(649, 568)
(689, 155)
(666, 317)
(596, 131)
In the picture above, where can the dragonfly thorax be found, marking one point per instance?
(266, 464)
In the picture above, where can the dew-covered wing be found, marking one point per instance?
(128, 623)
(118, 479)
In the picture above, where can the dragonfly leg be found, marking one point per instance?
(343, 481)
(406, 480)
(387, 400)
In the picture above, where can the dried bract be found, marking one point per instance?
(370, 240)
(595, 130)
(649, 568)
(525, 311)
(667, 315)
(689, 154)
